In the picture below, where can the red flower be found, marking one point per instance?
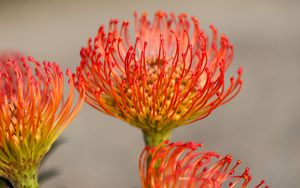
(181, 165)
(169, 76)
(33, 114)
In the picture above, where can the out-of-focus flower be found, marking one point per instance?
(33, 114)
(182, 165)
(169, 76)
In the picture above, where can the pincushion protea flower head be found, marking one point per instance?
(181, 165)
(170, 75)
(33, 114)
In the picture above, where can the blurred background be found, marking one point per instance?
(260, 126)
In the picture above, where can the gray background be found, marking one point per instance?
(260, 127)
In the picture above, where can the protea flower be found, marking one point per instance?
(170, 75)
(33, 114)
(182, 165)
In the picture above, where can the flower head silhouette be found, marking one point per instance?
(181, 165)
(33, 114)
(170, 75)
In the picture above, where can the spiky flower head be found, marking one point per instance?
(183, 165)
(170, 75)
(33, 114)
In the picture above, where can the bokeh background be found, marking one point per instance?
(260, 126)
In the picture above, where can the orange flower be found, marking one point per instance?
(169, 76)
(181, 165)
(33, 114)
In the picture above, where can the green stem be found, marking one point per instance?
(155, 138)
(26, 179)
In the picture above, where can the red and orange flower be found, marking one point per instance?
(33, 114)
(181, 165)
(170, 75)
